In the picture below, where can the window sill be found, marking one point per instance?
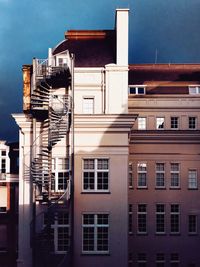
(142, 187)
(95, 254)
(192, 234)
(95, 192)
(160, 188)
(142, 234)
(193, 188)
(174, 188)
(175, 234)
(160, 234)
(130, 188)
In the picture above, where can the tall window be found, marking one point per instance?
(137, 90)
(88, 105)
(95, 233)
(160, 218)
(130, 219)
(192, 179)
(142, 218)
(175, 218)
(3, 155)
(142, 174)
(174, 122)
(141, 260)
(95, 174)
(174, 260)
(130, 259)
(160, 175)
(192, 224)
(160, 260)
(142, 123)
(175, 175)
(160, 123)
(192, 121)
(59, 231)
(3, 198)
(60, 174)
(130, 175)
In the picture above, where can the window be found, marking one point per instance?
(160, 175)
(60, 174)
(3, 238)
(174, 260)
(95, 174)
(130, 175)
(174, 122)
(192, 179)
(3, 166)
(137, 90)
(160, 218)
(160, 123)
(130, 220)
(175, 175)
(175, 218)
(59, 231)
(141, 123)
(95, 233)
(194, 89)
(192, 121)
(142, 174)
(62, 62)
(160, 260)
(130, 259)
(3, 152)
(141, 260)
(88, 105)
(3, 199)
(192, 224)
(142, 218)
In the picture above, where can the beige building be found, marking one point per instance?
(109, 157)
(74, 148)
(164, 168)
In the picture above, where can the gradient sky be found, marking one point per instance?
(29, 27)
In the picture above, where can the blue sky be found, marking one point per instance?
(29, 27)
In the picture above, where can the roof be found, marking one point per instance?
(91, 48)
(165, 78)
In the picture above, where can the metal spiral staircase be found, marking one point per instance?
(53, 111)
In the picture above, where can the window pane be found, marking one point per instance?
(88, 164)
(160, 123)
(142, 123)
(88, 180)
(88, 105)
(102, 164)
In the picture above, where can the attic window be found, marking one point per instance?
(194, 89)
(137, 90)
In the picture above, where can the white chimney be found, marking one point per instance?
(122, 18)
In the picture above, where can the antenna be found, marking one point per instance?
(156, 56)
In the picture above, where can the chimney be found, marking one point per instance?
(122, 18)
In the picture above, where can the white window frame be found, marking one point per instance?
(194, 89)
(57, 170)
(192, 181)
(194, 224)
(160, 259)
(174, 172)
(172, 123)
(174, 260)
(141, 172)
(95, 226)
(172, 219)
(160, 215)
(130, 175)
(88, 108)
(142, 123)
(137, 89)
(195, 123)
(141, 260)
(141, 215)
(160, 121)
(160, 172)
(55, 229)
(95, 171)
(130, 219)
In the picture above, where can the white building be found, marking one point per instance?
(74, 147)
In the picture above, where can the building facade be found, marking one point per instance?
(109, 157)
(164, 165)
(8, 204)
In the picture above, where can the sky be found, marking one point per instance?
(160, 31)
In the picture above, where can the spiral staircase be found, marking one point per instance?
(54, 113)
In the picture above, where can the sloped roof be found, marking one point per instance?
(165, 78)
(91, 48)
